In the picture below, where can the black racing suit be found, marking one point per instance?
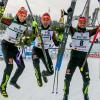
(76, 59)
(37, 54)
(10, 51)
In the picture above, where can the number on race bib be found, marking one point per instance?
(81, 42)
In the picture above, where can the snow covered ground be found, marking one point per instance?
(30, 90)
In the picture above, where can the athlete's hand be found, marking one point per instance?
(34, 24)
(2, 8)
(69, 10)
(35, 27)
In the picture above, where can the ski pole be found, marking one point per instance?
(56, 75)
(84, 8)
(57, 81)
(54, 81)
(62, 47)
(98, 30)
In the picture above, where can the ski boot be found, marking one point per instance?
(86, 97)
(3, 92)
(15, 85)
(65, 97)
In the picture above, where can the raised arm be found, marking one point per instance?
(4, 20)
(3, 4)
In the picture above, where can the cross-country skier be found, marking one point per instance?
(16, 28)
(48, 35)
(80, 47)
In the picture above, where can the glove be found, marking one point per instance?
(60, 37)
(34, 24)
(1, 4)
(2, 9)
(69, 10)
(35, 27)
(62, 13)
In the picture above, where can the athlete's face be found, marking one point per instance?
(82, 24)
(22, 17)
(45, 21)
